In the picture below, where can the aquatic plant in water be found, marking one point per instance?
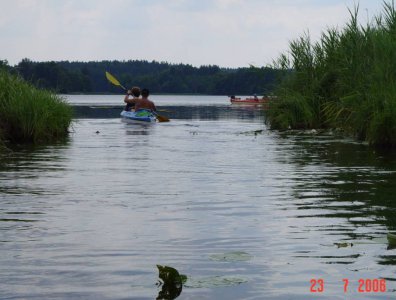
(345, 80)
(171, 282)
(28, 114)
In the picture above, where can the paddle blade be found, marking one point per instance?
(113, 80)
(162, 119)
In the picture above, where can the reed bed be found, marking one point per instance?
(30, 115)
(346, 80)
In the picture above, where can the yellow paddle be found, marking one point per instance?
(161, 118)
(114, 81)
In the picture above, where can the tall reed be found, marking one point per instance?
(30, 115)
(345, 80)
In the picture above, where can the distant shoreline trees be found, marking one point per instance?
(160, 77)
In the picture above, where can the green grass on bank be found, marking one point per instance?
(346, 80)
(30, 115)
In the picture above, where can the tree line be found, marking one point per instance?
(159, 77)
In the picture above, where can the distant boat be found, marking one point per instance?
(249, 100)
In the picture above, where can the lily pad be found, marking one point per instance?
(215, 281)
(343, 245)
(232, 256)
(391, 239)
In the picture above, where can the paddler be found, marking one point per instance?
(130, 102)
(144, 102)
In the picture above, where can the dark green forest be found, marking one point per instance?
(160, 77)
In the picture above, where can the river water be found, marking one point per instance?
(243, 212)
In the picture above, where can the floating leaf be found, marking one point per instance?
(183, 278)
(343, 245)
(215, 281)
(391, 239)
(231, 256)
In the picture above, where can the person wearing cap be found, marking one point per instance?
(131, 102)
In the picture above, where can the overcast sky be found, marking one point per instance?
(228, 33)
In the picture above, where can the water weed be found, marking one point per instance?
(345, 80)
(28, 114)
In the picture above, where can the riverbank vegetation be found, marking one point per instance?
(346, 80)
(30, 115)
(160, 77)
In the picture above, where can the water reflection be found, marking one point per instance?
(347, 183)
(178, 112)
(169, 291)
(139, 129)
(29, 175)
(24, 164)
(92, 218)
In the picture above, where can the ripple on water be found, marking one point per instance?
(243, 215)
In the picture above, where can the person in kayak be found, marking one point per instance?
(130, 103)
(145, 103)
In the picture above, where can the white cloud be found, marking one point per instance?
(223, 32)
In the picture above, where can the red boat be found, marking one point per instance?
(250, 100)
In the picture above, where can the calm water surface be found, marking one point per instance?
(245, 213)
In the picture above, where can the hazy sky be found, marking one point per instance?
(228, 33)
